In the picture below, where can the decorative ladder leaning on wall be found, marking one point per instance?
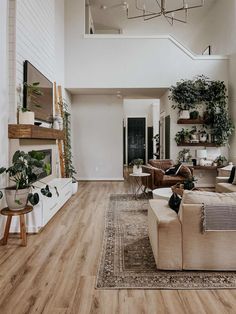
(58, 104)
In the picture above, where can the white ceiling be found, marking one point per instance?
(131, 93)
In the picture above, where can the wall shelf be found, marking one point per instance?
(190, 121)
(28, 131)
(198, 144)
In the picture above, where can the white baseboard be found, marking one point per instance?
(101, 179)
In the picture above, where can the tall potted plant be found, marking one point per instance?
(23, 175)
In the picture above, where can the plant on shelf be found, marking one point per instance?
(69, 168)
(184, 155)
(182, 136)
(220, 161)
(194, 114)
(32, 92)
(24, 174)
(187, 94)
(216, 113)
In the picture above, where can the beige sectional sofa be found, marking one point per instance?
(177, 240)
(222, 185)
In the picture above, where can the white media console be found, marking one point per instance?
(47, 207)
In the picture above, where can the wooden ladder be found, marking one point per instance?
(58, 105)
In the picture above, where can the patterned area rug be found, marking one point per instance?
(127, 261)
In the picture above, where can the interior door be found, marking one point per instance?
(136, 135)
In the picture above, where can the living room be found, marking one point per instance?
(67, 94)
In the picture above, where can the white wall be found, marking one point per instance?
(98, 137)
(139, 108)
(3, 95)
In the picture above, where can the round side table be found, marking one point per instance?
(21, 213)
(137, 183)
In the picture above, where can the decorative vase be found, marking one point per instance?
(26, 117)
(137, 170)
(184, 114)
(74, 187)
(16, 199)
(203, 138)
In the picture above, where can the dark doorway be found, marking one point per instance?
(136, 134)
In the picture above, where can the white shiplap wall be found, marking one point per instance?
(35, 36)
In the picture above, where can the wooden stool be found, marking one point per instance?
(9, 213)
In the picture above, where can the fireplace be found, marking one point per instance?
(41, 173)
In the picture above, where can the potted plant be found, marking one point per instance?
(194, 135)
(69, 168)
(194, 114)
(220, 161)
(185, 97)
(182, 136)
(24, 175)
(189, 183)
(137, 163)
(184, 155)
(32, 91)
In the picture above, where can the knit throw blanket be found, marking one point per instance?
(219, 217)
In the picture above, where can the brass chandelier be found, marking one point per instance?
(162, 11)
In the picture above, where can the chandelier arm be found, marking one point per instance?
(140, 16)
(142, 9)
(188, 8)
(175, 19)
(158, 4)
(152, 17)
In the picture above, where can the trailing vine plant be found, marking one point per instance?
(69, 168)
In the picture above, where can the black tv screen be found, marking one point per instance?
(40, 103)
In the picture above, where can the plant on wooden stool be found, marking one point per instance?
(23, 173)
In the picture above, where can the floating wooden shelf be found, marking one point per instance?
(190, 121)
(205, 167)
(198, 144)
(28, 131)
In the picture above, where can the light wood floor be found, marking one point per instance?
(56, 272)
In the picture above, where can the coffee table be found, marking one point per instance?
(162, 193)
(137, 185)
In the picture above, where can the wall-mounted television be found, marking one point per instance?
(42, 104)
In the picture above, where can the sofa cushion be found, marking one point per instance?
(199, 197)
(225, 187)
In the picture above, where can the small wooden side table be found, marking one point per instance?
(21, 213)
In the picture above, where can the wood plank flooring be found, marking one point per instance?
(56, 272)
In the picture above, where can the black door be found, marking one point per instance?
(136, 139)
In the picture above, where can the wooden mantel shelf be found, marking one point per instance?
(28, 131)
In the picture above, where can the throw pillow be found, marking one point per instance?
(174, 202)
(185, 172)
(173, 171)
(232, 175)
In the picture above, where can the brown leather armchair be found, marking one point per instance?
(158, 178)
